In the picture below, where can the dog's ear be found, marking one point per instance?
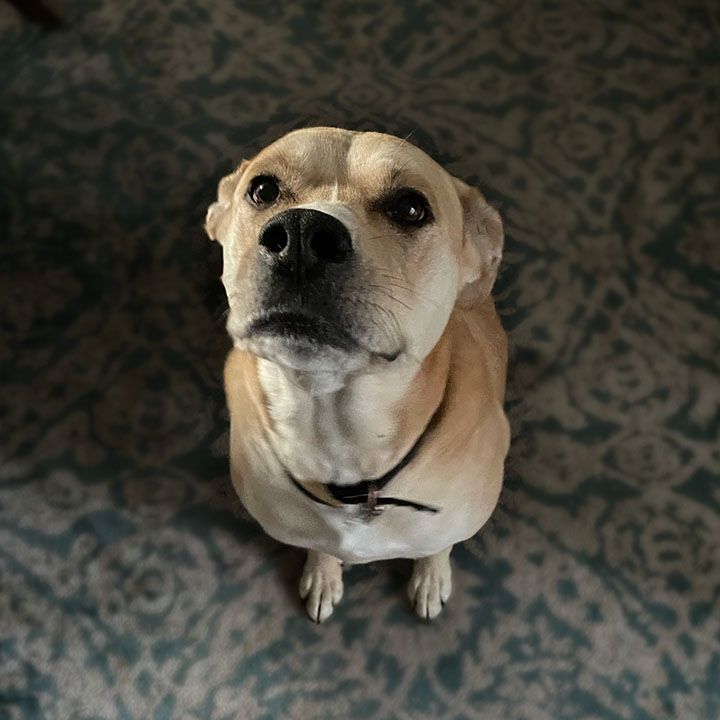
(219, 213)
(482, 245)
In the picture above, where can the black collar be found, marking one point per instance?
(366, 492)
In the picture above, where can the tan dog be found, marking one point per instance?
(366, 385)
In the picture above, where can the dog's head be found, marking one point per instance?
(345, 249)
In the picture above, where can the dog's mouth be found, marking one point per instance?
(302, 328)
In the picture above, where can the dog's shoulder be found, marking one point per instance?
(244, 395)
(479, 351)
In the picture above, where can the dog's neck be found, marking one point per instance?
(343, 430)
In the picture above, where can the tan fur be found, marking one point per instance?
(346, 419)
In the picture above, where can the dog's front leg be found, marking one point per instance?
(321, 583)
(431, 584)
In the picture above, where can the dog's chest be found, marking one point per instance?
(354, 533)
(329, 438)
(345, 438)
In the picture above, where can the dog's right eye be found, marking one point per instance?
(263, 190)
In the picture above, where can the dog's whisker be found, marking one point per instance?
(387, 323)
(391, 325)
(384, 291)
(397, 285)
(222, 317)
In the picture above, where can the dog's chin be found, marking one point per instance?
(305, 354)
(307, 344)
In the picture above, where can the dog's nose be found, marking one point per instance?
(303, 239)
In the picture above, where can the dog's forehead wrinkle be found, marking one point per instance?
(383, 165)
(318, 155)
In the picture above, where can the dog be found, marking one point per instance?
(366, 381)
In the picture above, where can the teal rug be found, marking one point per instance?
(132, 586)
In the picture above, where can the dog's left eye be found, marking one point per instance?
(408, 208)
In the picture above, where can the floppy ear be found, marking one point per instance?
(218, 214)
(482, 245)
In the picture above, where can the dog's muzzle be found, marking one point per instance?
(305, 267)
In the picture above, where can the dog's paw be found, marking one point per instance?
(321, 585)
(430, 585)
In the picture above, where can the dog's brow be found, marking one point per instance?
(403, 171)
(392, 180)
(399, 178)
(395, 175)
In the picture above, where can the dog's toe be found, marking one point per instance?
(321, 585)
(430, 585)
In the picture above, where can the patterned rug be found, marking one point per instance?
(132, 587)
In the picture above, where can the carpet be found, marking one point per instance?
(133, 587)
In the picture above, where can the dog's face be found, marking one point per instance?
(346, 250)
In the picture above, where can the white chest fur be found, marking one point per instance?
(340, 436)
